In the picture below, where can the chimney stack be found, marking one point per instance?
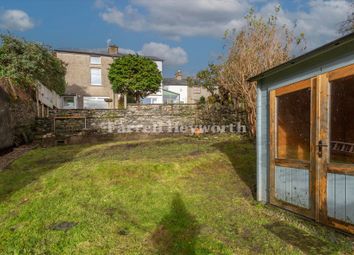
(179, 75)
(113, 49)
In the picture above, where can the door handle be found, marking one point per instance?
(320, 146)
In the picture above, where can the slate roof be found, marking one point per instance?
(100, 52)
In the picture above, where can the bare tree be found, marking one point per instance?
(260, 45)
(347, 26)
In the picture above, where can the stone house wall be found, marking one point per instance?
(78, 77)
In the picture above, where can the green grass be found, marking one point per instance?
(178, 195)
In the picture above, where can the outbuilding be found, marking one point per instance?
(305, 134)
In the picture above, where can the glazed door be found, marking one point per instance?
(336, 151)
(292, 147)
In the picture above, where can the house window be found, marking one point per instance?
(95, 60)
(147, 101)
(96, 77)
(69, 102)
(197, 90)
(95, 103)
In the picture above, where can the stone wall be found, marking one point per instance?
(17, 121)
(6, 133)
(135, 118)
(23, 121)
(83, 125)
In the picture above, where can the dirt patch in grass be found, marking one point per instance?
(63, 225)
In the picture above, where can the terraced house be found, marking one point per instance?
(184, 93)
(88, 86)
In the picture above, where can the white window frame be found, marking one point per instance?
(95, 60)
(97, 82)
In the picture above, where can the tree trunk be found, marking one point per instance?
(137, 98)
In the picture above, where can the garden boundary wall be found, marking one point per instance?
(181, 118)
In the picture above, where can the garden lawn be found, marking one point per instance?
(177, 195)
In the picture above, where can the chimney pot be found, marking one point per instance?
(179, 75)
(113, 49)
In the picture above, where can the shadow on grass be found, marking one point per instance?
(31, 166)
(242, 156)
(298, 238)
(177, 232)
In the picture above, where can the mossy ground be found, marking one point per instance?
(179, 195)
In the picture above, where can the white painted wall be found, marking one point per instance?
(157, 98)
(181, 90)
(159, 65)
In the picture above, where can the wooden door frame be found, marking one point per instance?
(311, 165)
(320, 130)
(324, 164)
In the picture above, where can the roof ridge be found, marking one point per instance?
(88, 51)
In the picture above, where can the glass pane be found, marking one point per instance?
(342, 120)
(293, 125)
(170, 97)
(96, 76)
(68, 102)
(95, 60)
(95, 103)
(146, 101)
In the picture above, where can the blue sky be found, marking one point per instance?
(186, 33)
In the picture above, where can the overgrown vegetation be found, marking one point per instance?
(23, 63)
(218, 107)
(135, 75)
(180, 195)
(259, 46)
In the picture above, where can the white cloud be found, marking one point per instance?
(177, 18)
(126, 51)
(318, 19)
(319, 23)
(129, 17)
(15, 20)
(112, 15)
(172, 56)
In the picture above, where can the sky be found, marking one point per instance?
(187, 34)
